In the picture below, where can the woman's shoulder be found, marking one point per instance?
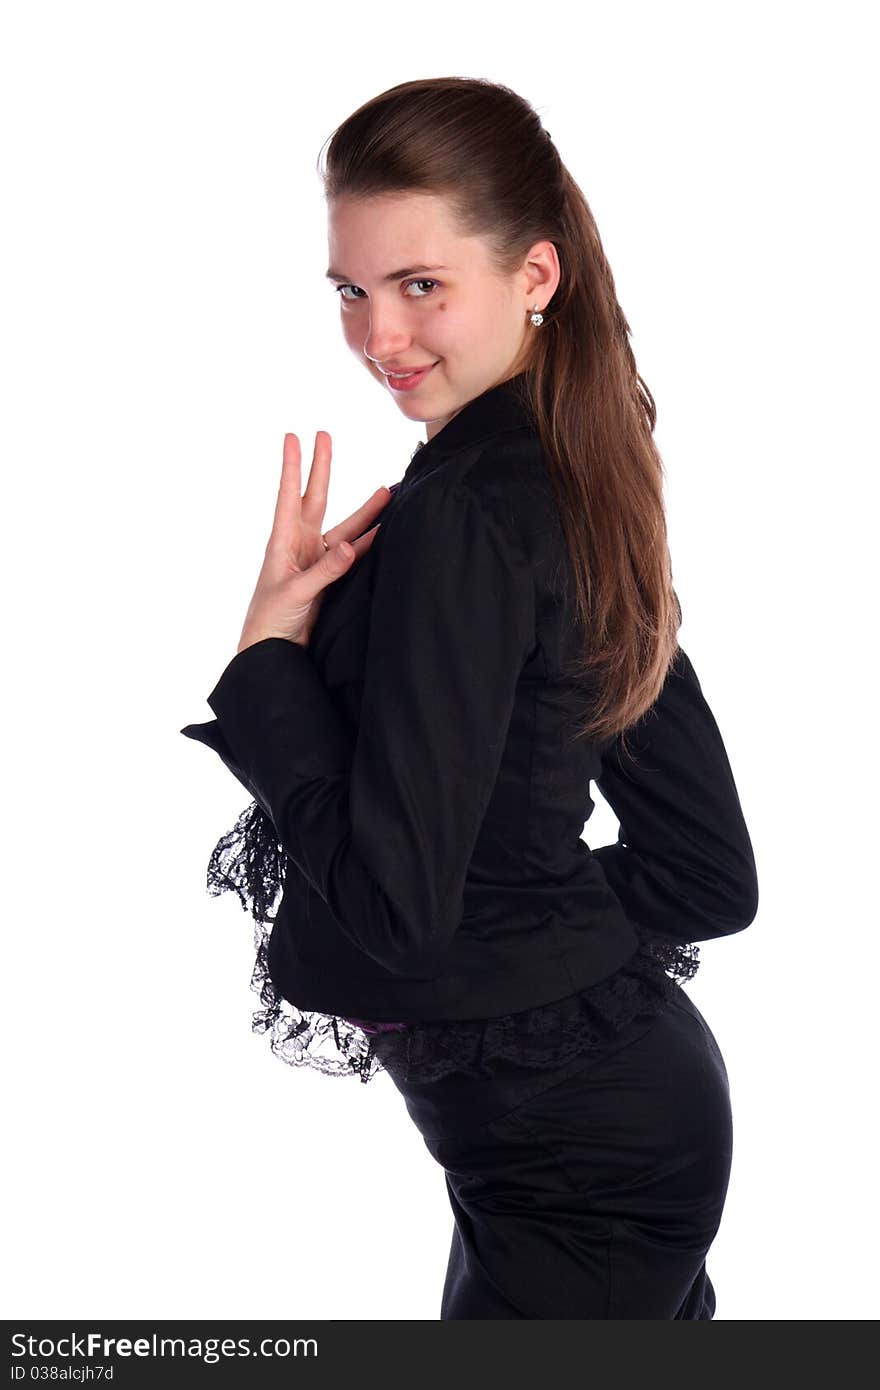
(500, 482)
(509, 478)
(506, 462)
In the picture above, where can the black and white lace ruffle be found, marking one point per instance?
(249, 861)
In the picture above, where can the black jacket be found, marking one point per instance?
(418, 764)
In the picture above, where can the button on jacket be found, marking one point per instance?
(418, 762)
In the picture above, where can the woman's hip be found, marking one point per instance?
(641, 1127)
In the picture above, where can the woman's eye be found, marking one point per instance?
(359, 291)
(421, 282)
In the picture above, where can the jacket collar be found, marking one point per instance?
(495, 411)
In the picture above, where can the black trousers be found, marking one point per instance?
(590, 1191)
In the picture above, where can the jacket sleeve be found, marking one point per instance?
(382, 821)
(683, 863)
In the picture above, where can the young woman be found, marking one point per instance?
(420, 700)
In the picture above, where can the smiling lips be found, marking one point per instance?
(404, 381)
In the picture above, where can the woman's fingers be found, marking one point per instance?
(305, 587)
(314, 499)
(294, 505)
(363, 543)
(352, 527)
(287, 504)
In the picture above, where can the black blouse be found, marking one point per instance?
(412, 858)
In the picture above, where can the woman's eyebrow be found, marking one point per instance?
(394, 275)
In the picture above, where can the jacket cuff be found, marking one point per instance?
(211, 735)
(278, 718)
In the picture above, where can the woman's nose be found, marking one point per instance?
(387, 339)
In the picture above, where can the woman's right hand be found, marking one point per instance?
(297, 568)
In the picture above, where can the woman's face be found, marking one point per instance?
(415, 293)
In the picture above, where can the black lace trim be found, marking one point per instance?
(249, 861)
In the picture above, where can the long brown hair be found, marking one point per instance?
(483, 148)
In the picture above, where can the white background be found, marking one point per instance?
(165, 321)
